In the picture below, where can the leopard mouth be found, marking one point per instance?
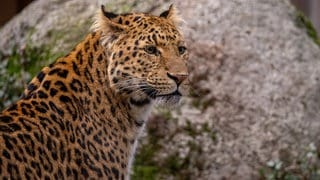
(175, 93)
(170, 99)
(154, 94)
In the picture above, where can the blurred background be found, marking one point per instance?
(310, 8)
(9, 8)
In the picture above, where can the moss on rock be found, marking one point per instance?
(303, 22)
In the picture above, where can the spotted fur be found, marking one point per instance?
(81, 116)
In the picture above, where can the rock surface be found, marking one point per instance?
(261, 92)
(254, 72)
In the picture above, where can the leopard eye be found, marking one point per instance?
(150, 49)
(182, 49)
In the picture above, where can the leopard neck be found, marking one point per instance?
(92, 64)
(78, 90)
(127, 115)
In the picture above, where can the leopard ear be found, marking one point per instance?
(172, 14)
(105, 22)
(107, 14)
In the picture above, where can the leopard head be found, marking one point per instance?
(147, 55)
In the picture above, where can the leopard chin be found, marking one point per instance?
(171, 99)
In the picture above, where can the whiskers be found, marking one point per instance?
(136, 87)
(139, 89)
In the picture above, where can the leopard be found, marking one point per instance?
(81, 116)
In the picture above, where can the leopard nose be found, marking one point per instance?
(178, 78)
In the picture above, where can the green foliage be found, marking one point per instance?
(145, 167)
(212, 133)
(152, 162)
(305, 167)
(17, 69)
(304, 22)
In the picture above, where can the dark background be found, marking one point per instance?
(9, 8)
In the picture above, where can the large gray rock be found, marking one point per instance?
(58, 23)
(259, 74)
(255, 77)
